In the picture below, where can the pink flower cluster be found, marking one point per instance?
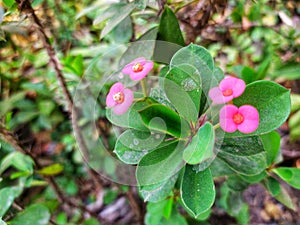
(121, 98)
(244, 119)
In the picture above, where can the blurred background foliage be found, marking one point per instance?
(43, 177)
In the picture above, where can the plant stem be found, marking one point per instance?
(144, 87)
(216, 126)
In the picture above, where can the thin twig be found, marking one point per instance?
(24, 6)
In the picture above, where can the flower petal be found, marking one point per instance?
(251, 119)
(226, 118)
(227, 83)
(217, 96)
(117, 87)
(238, 88)
(123, 107)
(128, 68)
(148, 65)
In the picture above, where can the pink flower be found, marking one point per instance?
(138, 68)
(120, 98)
(229, 88)
(245, 119)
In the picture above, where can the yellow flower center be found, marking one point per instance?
(227, 92)
(137, 68)
(118, 97)
(238, 118)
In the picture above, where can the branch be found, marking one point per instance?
(24, 6)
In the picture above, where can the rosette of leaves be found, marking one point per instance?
(173, 139)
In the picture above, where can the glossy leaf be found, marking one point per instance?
(244, 155)
(273, 186)
(7, 197)
(272, 102)
(202, 145)
(182, 87)
(36, 214)
(169, 29)
(163, 119)
(51, 170)
(160, 165)
(130, 119)
(197, 190)
(289, 175)
(271, 143)
(159, 191)
(132, 145)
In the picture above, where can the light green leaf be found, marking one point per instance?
(285, 198)
(2, 222)
(7, 105)
(7, 197)
(289, 71)
(289, 175)
(36, 214)
(182, 87)
(18, 160)
(132, 145)
(159, 191)
(271, 143)
(272, 102)
(51, 170)
(202, 145)
(244, 155)
(163, 119)
(122, 13)
(197, 190)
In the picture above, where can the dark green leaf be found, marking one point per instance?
(289, 175)
(197, 190)
(244, 155)
(202, 145)
(36, 214)
(163, 119)
(285, 198)
(272, 102)
(169, 29)
(273, 186)
(130, 119)
(160, 165)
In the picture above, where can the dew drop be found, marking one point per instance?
(188, 84)
(135, 141)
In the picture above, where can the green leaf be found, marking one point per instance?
(163, 119)
(91, 221)
(8, 3)
(182, 87)
(7, 197)
(51, 170)
(289, 175)
(197, 190)
(272, 102)
(18, 160)
(198, 57)
(273, 186)
(271, 143)
(289, 71)
(283, 197)
(7, 105)
(121, 14)
(36, 214)
(160, 165)
(122, 33)
(130, 119)
(244, 155)
(202, 145)
(46, 107)
(295, 102)
(2, 222)
(132, 145)
(159, 191)
(169, 29)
